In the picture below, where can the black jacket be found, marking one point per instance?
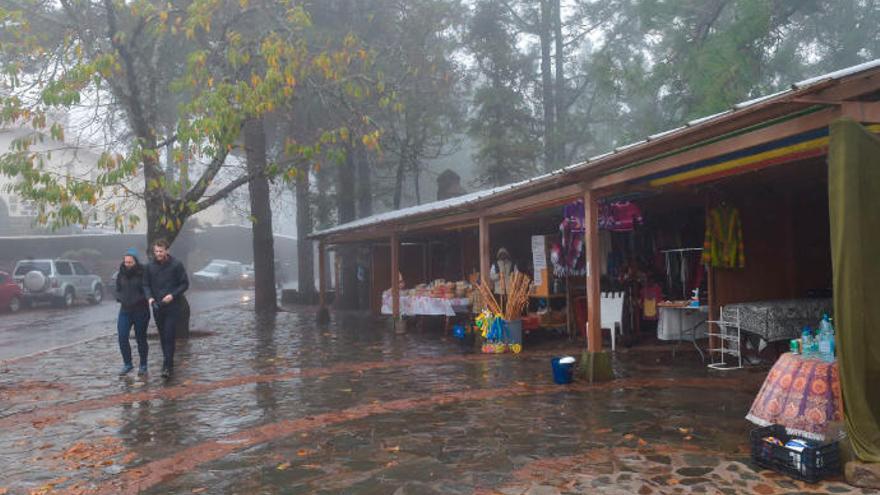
(161, 279)
(130, 288)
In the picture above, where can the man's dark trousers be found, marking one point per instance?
(166, 320)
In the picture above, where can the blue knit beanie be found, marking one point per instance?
(132, 252)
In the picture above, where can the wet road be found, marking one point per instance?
(284, 406)
(47, 328)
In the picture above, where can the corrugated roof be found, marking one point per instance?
(453, 204)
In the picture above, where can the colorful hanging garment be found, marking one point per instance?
(620, 216)
(571, 260)
(723, 246)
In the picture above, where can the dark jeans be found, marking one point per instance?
(166, 322)
(140, 319)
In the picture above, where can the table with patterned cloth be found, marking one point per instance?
(802, 394)
(425, 306)
(778, 320)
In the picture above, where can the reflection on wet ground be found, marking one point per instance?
(285, 406)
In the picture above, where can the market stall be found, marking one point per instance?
(439, 298)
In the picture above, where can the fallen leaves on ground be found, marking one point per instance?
(48, 487)
(199, 490)
(94, 454)
(396, 448)
(283, 466)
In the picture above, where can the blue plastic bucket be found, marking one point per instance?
(562, 371)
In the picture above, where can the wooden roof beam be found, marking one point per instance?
(848, 89)
(781, 130)
(862, 111)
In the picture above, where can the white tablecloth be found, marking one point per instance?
(423, 305)
(675, 321)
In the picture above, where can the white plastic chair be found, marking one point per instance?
(611, 304)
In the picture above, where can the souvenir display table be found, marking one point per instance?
(682, 322)
(777, 320)
(800, 393)
(426, 305)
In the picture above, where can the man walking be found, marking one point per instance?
(165, 281)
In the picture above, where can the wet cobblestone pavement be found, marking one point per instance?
(288, 407)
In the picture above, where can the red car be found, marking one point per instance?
(10, 293)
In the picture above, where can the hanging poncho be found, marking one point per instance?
(723, 246)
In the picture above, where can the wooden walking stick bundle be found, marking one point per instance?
(517, 295)
(489, 298)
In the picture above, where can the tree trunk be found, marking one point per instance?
(547, 86)
(165, 216)
(324, 206)
(265, 297)
(398, 180)
(345, 207)
(304, 252)
(560, 96)
(365, 183)
(417, 176)
(496, 131)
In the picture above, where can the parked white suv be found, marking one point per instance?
(61, 282)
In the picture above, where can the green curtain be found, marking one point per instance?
(854, 203)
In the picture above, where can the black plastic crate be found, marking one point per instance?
(812, 464)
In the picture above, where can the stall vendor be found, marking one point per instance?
(502, 268)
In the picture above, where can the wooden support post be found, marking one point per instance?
(323, 312)
(714, 313)
(485, 255)
(594, 312)
(462, 238)
(426, 262)
(596, 363)
(712, 296)
(395, 281)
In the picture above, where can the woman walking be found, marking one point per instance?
(133, 311)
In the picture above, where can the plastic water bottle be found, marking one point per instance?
(807, 342)
(825, 345)
(825, 324)
(826, 339)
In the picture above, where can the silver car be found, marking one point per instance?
(60, 282)
(220, 274)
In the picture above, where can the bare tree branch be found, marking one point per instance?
(224, 191)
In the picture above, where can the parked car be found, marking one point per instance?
(248, 277)
(10, 293)
(60, 282)
(220, 273)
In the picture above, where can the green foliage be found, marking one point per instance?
(502, 126)
(217, 63)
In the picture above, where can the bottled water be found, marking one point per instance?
(826, 339)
